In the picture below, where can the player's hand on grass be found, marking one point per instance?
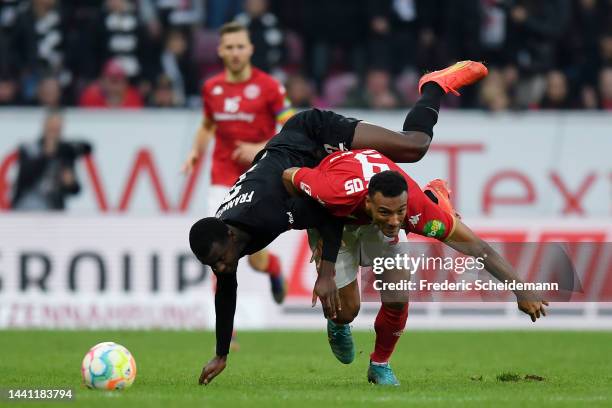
(528, 303)
(192, 160)
(326, 290)
(245, 152)
(212, 369)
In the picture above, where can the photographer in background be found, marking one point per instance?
(46, 173)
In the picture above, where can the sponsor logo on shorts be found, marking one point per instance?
(290, 217)
(434, 229)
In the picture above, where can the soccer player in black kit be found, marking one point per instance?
(258, 208)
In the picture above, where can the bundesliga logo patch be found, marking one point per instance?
(434, 229)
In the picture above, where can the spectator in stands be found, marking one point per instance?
(377, 93)
(177, 14)
(534, 29)
(112, 90)
(605, 48)
(8, 91)
(176, 64)
(605, 88)
(494, 92)
(335, 37)
(557, 93)
(163, 95)
(301, 93)
(46, 175)
(50, 93)
(266, 34)
(39, 45)
(219, 12)
(121, 36)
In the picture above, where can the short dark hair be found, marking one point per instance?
(232, 27)
(389, 183)
(204, 234)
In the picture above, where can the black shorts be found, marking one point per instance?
(311, 135)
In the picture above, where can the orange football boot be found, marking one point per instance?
(439, 189)
(456, 76)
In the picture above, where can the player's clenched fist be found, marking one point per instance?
(212, 369)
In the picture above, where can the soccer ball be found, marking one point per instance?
(108, 366)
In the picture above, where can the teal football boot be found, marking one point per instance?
(381, 375)
(341, 341)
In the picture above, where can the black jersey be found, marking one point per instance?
(258, 202)
(259, 205)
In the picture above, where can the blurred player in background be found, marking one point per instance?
(242, 108)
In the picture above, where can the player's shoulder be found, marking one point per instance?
(267, 80)
(215, 80)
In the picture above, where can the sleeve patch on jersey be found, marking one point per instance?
(305, 188)
(434, 229)
(284, 114)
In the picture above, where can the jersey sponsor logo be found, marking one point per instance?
(232, 104)
(252, 91)
(217, 90)
(434, 229)
(305, 188)
(240, 116)
(290, 217)
(414, 219)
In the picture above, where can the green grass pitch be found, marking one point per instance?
(283, 369)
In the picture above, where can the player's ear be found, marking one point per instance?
(368, 202)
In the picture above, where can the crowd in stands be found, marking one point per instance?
(542, 54)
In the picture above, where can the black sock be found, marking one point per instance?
(424, 115)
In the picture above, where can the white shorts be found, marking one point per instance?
(360, 245)
(216, 194)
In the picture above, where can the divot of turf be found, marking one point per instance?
(534, 377)
(508, 377)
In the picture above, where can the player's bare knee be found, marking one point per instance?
(416, 146)
(348, 313)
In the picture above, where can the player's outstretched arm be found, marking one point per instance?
(225, 308)
(203, 136)
(464, 240)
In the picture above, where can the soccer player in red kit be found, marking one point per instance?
(371, 189)
(242, 108)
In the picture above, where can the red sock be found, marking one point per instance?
(274, 265)
(389, 325)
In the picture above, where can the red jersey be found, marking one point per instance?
(340, 183)
(245, 111)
